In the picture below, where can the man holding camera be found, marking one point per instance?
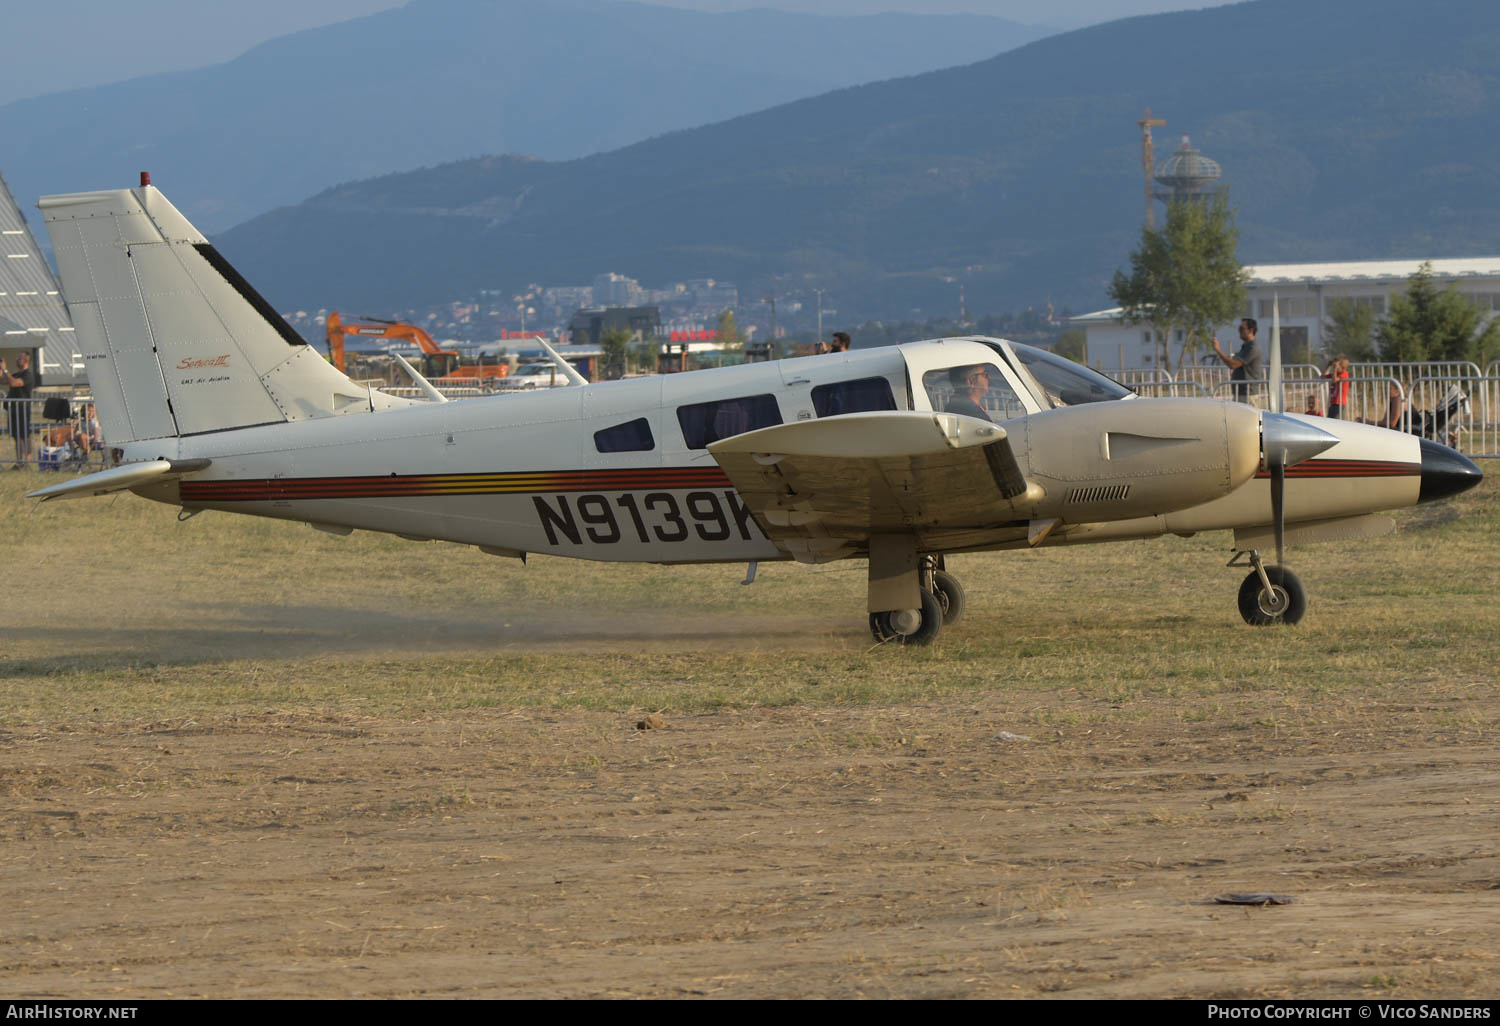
(19, 412)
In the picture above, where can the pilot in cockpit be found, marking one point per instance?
(970, 384)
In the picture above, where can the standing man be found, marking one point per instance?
(1244, 365)
(840, 343)
(21, 383)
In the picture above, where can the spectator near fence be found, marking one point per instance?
(1394, 408)
(19, 413)
(1337, 371)
(1244, 365)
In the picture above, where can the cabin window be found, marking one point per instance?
(860, 396)
(703, 423)
(974, 390)
(633, 436)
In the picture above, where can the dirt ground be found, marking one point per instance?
(919, 851)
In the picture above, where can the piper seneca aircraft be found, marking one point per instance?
(899, 455)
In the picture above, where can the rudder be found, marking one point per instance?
(175, 341)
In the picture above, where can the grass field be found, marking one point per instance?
(116, 606)
(242, 757)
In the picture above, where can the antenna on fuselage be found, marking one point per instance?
(421, 382)
(569, 371)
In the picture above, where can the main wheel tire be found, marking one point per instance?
(1286, 603)
(950, 595)
(884, 630)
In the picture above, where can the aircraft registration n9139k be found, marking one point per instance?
(899, 455)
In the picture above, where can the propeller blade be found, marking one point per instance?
(1273, 372)
(1278, 509)
(1286, 442)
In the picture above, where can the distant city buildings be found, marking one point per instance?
(691, 305)
(588, 327)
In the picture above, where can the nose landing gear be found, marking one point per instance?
(1270, 594)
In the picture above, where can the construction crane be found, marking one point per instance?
(1148, 160)
(437, 362)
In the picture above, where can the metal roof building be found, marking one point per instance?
(32, 313)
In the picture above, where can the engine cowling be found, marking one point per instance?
(1144, 457)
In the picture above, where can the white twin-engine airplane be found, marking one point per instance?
(900, 455)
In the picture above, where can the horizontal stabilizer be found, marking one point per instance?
(117, 479)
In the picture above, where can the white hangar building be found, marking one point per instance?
(1304, 293)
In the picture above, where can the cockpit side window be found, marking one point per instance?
(862, 395)
(974, 390)
(704, 423)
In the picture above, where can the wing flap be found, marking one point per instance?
(826, 485)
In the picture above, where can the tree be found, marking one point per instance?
(1073, 344)
(616, 346)
(1350, 329)
(1427, 324)
(728, 335)
(645, 354)
(1185, 276)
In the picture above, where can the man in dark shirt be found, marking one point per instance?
(1245, 363)
(19, 413)
(969, 387)
(840, 343)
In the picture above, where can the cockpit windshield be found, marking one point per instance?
(1065, 382)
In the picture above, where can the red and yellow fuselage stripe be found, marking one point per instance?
(1348, 468)
(272, 489)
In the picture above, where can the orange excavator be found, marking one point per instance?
(437, 362)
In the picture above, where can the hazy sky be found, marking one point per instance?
(66, 44)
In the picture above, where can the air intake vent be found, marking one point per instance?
(1111, 493)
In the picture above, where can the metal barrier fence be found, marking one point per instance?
(447, 391)
(1141, 376)
(28, 437)
(1211, 376)
(1170, 389)
(1458, 410)
(1449, 401)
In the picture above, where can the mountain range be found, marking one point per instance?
(1347, 129)
(440, 80)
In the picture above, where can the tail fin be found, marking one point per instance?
(175, 342)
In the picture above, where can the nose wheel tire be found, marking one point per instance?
(909, 626)
(950, 595)
(1284, 603)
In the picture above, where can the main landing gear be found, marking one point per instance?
(942, 604)
(1270, 594)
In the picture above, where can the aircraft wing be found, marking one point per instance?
(820, 487)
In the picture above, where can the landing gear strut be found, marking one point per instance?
(1270, 594)
(942, 602)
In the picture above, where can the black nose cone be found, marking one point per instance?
(1446, 472)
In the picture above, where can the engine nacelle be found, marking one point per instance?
(1143, 457)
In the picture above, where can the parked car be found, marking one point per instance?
(534, 375)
